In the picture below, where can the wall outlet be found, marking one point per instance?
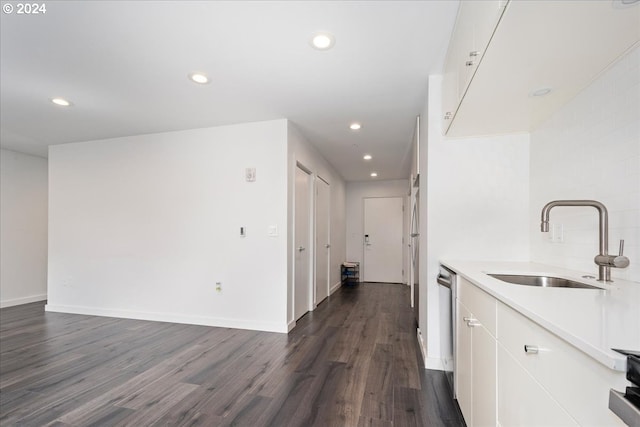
(218, 286)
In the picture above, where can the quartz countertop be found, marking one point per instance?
(594, 321)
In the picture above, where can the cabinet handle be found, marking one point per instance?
(474, 53)
(471, 322)
(531, 349)
(468, 63)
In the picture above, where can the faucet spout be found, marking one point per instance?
(604, 271)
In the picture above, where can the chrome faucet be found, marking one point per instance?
(603, 259)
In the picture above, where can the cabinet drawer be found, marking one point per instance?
(480, 304)
(579, 383)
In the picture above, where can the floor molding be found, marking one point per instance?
(335, 288)
(429, 362)
(172, 318)
(23, 300)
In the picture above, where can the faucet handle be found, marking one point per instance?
(618, 261)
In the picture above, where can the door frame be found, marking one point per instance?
(310, 252)
(315, 242)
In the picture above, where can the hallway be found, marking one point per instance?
(352, 362)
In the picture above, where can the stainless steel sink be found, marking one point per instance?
(542, 281)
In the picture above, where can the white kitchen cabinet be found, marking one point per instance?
(474, 27)
(568, 377)
(476, 355)
(522, 47)
(522, 401)
(463, 362)
(483, 379)
(499, 382)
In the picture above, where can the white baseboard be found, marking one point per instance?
(172, 318)
(291, 325)
(433, 363)
(335, 287)
(24, 300)
(429, 362)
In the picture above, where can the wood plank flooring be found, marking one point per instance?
(352, 362)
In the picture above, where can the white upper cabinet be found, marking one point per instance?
(523, 47)
(474, 27)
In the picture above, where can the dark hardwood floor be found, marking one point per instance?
(354, 361)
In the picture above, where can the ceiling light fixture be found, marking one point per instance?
(61, 102)
(374, 174)
(355, 126)
(367, 157)
(541, 92)
(199, 78)
(323, 41)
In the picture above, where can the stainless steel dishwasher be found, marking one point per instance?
(447, 280)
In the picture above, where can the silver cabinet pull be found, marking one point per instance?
(474, 53)
(531, 349)
(468, 63)
(301, 248)
(471, 322)
(327, 246)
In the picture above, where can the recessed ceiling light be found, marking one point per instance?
(199, 78)
(374, 174)
(355, 126)
(322, 41)
(540, 92)
(61, 102)
(367, 157)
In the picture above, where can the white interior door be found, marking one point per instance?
(302, 293)
(322, 241)
(383, 221)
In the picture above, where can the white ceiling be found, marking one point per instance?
(124, 65)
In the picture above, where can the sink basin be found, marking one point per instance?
(542, 281)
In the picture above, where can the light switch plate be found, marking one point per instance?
(272, 230)
(250, 174)
(556, 234)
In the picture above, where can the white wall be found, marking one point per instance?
(301, 151)
(357, 191)
(590, 149)
(144, 226)
(474, 204)
(23, 228)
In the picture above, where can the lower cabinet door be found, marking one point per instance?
(483, 380)
(521, 399)
(463, 363)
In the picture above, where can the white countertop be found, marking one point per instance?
(594, 321)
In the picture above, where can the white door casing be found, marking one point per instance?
(322, 240)
(302, 250)
(383, 247)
